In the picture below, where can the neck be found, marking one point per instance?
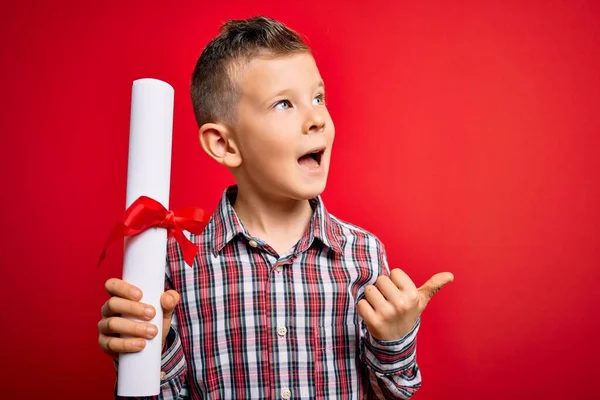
(279, 222)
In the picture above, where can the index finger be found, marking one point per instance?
(120, 288)
(402, 280)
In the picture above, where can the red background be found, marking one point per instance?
(467, 140)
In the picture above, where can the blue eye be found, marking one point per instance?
(320, 100)
(285, 104)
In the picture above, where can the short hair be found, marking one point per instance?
(214, 90)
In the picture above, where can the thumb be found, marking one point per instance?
(168, 302)
(433, 285)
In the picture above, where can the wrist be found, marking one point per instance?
(399, 336)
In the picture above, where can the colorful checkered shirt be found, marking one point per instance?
(253, 324)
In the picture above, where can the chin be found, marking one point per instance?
(310, 190)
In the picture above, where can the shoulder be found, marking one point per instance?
(361, 248)
(354, 236)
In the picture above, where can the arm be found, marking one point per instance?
(173, 363)
(391, 364)
(173, 367)
(391, 310)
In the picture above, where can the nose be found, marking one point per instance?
(314, 121)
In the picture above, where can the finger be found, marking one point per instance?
(126, 327)
(375, 298)
(115, 345)
(168, 302)
(120, 288)
(402, 280)
(366, 311)
(388, 289)
(434, 285)
(118, 306)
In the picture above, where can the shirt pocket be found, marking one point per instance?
(336, 361)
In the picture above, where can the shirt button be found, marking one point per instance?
(163, 375)
(286, 393)
(279, 268)
(281, 331)
(253, 243)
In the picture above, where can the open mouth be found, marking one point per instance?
(312, 159)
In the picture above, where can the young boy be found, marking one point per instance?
(284, 300)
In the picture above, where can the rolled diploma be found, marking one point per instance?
(148, 173)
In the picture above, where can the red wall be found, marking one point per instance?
(467, 140)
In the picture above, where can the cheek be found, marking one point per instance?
(275, 142)
(270, 153)
(330, 127)
(269, 144)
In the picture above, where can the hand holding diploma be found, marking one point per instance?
(125, 301)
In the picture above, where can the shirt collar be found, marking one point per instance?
(323, 227)
(227, 225)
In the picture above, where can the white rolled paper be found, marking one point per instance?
(148, 173)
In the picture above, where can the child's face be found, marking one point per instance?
(282, 118)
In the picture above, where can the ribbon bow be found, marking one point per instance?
(146, 213)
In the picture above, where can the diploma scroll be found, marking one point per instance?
(148, 174)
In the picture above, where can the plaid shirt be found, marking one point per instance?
(252, 324)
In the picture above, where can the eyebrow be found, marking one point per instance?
(284, 92)
(321, 84)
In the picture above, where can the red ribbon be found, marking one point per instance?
(146, 213)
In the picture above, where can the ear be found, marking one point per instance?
(218, 142)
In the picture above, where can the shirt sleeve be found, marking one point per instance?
(391, 364)
(173, 366)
